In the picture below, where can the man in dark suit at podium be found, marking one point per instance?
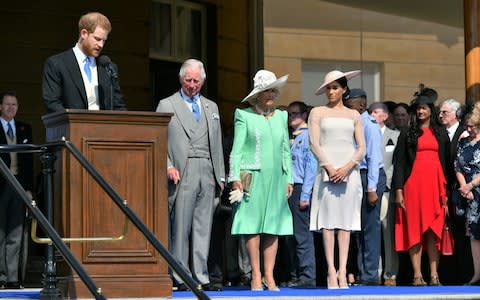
(12, 208)
(80, 78)
(196, 171)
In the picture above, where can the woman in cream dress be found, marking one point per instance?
(336, 138)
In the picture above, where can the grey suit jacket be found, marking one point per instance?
(390, 138)
(180, 129)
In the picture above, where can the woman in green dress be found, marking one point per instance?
(261, 150)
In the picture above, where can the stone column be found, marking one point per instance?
(472, 50)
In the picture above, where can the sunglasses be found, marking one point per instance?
(295, 113)
(444, 112)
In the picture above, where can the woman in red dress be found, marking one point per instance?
(419, 182)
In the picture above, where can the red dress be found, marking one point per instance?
(424, 197)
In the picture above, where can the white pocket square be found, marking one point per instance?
(389, 148)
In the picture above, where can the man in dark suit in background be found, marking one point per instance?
(12, 209)
(455, 269)
(80, 78)
(449, 115)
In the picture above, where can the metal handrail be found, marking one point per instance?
(56, 239)
(44, 223)
(39, 240)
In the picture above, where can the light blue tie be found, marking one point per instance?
(10, 131)
(86, 68)
(195, 109)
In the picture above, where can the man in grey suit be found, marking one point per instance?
(78, 78)
(387, 213)
(195, 171)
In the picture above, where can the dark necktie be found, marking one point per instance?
(10, 131)
(195, 109)
(86, 68)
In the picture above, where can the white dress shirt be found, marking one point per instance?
(91, 88)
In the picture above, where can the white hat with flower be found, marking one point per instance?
(265, 80)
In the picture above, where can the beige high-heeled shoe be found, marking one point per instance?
(434, 281)
(332, 282)
(271, 287)
(418, 281)
(342, 282)
(256, 286)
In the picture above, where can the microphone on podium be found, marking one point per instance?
(112, 71)
(111, 68)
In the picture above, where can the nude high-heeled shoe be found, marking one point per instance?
(272, 287)
(332, 281)
(256, 285)
(342, 281)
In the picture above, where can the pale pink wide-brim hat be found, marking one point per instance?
(265, 80)
(334, 75)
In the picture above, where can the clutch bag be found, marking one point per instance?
(246, 180)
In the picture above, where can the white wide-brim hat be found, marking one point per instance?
(265, 80)
(334, 75)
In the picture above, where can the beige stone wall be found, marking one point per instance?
(409, 51)
(233, 56)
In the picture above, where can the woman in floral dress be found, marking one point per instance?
(467, 169)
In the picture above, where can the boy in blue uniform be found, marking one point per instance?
(304, 170)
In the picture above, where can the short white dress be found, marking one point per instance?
(336, 138)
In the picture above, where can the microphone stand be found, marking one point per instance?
(111, 93)
(112, 82)
(110, 68)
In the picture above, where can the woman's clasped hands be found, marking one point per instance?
(466, 191)
(338, 175)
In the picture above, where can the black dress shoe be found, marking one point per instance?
(366, 283)
(289, 283)
(14, 285)
(299, 283)
(473, 283)
(244, 281)
(182, 287)
(217, 287)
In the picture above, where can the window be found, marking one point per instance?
(313, 73)
(177, 30)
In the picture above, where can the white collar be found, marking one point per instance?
(5, 122)
(80, 56)
(451, 130)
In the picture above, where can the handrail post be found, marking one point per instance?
(50, 290)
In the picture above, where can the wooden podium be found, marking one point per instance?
(129, 149)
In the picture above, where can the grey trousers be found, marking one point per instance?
(191, 219)
(390, 263)
(12, 216)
